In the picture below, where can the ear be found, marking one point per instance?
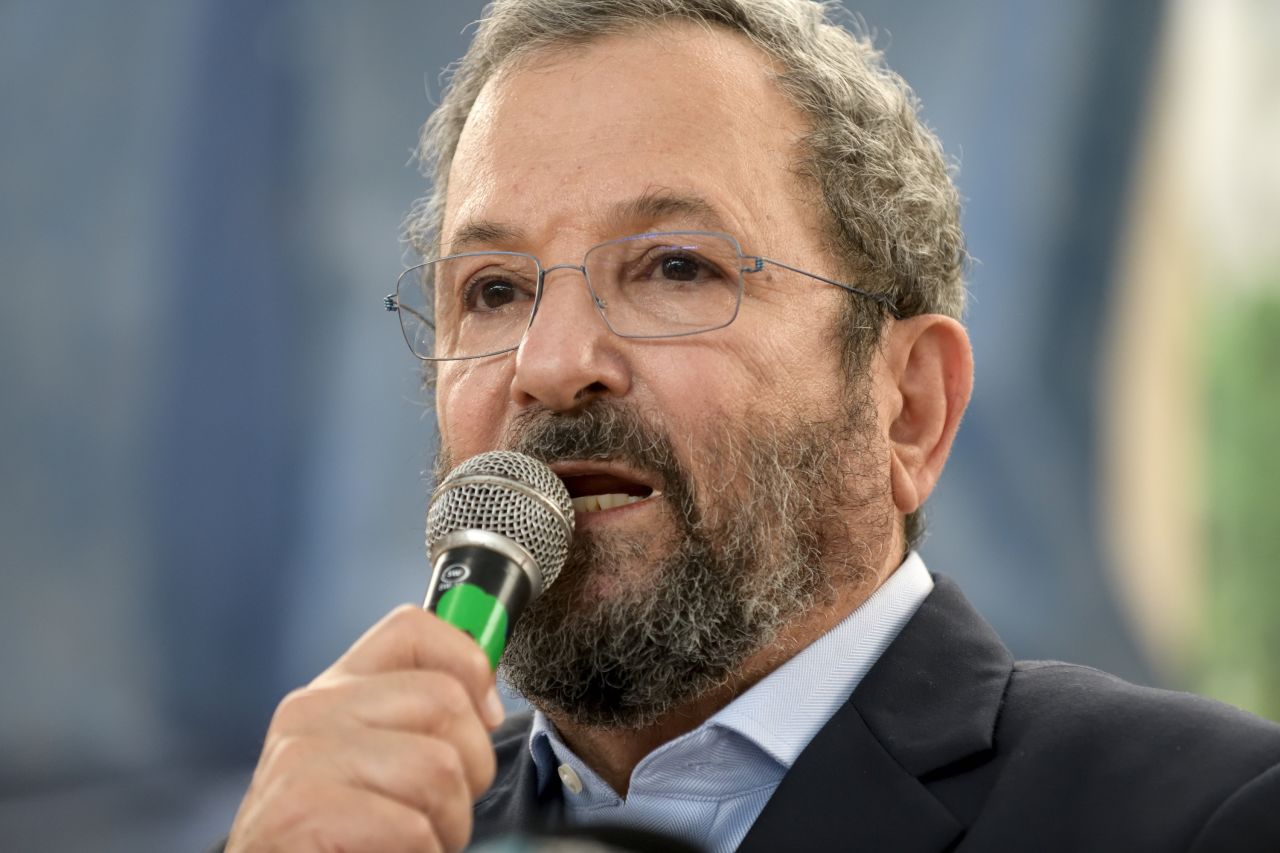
(928, 375)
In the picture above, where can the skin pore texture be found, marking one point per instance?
(779, 483)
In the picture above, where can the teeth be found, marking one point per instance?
(594, 503)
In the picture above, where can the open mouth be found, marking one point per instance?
(595, 491)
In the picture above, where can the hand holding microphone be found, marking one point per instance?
(389, 747)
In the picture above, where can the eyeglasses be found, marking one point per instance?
(661, 285)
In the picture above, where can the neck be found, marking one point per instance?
(613, 753)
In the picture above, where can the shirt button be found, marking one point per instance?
(570, 779)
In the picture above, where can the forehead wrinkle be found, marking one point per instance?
(623, 218)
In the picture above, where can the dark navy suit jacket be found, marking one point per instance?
(948, 744)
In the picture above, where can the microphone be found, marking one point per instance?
(498, 532)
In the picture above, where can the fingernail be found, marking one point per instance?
(493, 711)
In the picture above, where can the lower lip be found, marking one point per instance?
(587, 519)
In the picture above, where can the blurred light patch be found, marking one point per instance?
(1192, 424)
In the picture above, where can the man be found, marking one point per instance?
(702, 258)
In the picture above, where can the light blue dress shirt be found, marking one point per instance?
(709, 786)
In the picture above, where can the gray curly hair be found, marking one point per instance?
(894, 213)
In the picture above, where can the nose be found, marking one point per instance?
(568, 356)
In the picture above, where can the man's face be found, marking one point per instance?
(750, 430)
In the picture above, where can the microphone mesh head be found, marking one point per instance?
(491, 492)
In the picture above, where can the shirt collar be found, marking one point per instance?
(784, 711)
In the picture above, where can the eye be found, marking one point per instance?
(671, 264)
(680, 268)
(494, 294)
(676, 265)
(487, 294)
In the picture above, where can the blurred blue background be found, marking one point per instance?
(213, 442)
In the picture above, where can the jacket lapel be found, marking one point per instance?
(513, 803)
(929, 703)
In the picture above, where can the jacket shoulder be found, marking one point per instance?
(1135, 762)
(1085, 705)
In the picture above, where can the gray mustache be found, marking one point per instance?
(601, 431)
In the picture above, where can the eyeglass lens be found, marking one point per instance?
(651, 285)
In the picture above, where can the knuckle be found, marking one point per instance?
(445, 766)
(450, 762)
(445, 791)
(293, 709)
(452, 697)
(285, 754)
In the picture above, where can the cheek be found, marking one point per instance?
(790, 339)
(690, 388)
(779, 363)
(697, 386)
(470, 401)
(787, 375)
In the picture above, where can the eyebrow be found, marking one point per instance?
(656, 205)
(643, 211)
(483, 232)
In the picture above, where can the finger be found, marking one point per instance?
(411, 638)
(422, 772)
(429, 703)
(328, 816)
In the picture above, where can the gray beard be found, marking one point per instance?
(747, 553)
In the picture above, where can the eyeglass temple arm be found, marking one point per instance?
(887, 302)
(390, 303)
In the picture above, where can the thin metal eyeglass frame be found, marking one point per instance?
(391, 302)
